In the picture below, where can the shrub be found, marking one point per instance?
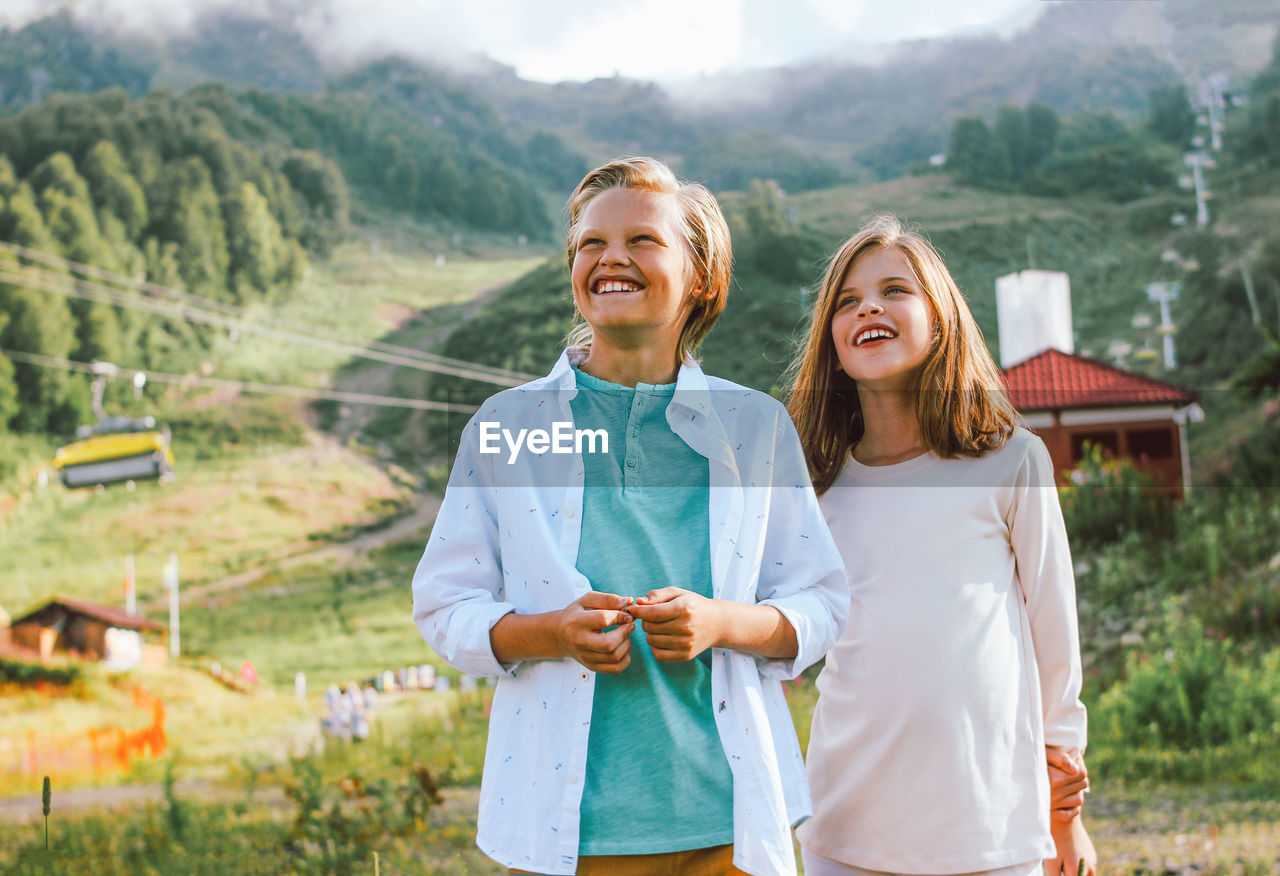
(26, 674)
(1190, 707)
(1111, 498)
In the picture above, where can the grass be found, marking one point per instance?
(934, 202)
(207, 725)
(330, 810)
(366, 293)
(255, 487)
(220, 516)
(325, 811)
(336, 625)
(983, 235)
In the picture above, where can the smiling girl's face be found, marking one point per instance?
(631, 267)
(882, 326)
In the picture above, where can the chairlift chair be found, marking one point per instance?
(115, 448)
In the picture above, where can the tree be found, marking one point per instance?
(975, 157)
(1169, 114)
(72, 223)
(114, 189)
(551, 161)
(1013, 134)
(21, 221)
(320, 183)
(8, 179)
(40, 323)
(8, 388)
(58, 172)
(443, 184)
(1042, 132)
(98, 332)
(773, 247)
(186, 211)
(256, 248)
(1268, 79)
(1089, 130)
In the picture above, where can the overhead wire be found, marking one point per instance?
(72, 287)
(188, 307)
(242, 385)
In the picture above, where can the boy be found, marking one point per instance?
(639, 603)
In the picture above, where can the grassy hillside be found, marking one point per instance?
(982, 235)
(298, 527)
(254, 482)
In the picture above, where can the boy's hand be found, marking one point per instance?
(1076, 855)
(678, 624)
(581, 635)
(1068, 780)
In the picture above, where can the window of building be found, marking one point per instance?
(1151, 444)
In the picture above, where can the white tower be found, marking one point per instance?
(1033, 312)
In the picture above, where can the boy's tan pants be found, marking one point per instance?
(712, 861)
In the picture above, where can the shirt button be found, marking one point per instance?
(569, 512)
(573, 780)
(586, 677)
(631, 463)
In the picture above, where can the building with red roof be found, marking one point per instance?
(82, 629)
(1069, 400)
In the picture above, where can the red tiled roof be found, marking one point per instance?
(117, 617)
(1055, 381)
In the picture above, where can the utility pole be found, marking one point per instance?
(130, 589)
(1162, 294)
(1197, 161)
(1216, 94)
(171, 584)
(1249, 291)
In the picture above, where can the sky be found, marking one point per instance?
(557, 40)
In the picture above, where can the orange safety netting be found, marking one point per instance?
(98, 749)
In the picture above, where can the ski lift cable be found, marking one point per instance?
(239, 312)
(243, 385)
(57, 284)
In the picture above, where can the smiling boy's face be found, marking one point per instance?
(631, 268)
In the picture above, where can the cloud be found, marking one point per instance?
(550, 40)
(554, 40)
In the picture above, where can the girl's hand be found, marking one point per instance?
(679, 624)
(1068, 780)
(581, 634)
(1076, 854)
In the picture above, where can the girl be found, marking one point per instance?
(961, 659)
(641, 603)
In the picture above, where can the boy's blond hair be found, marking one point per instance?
(705, 232)
(961, 404)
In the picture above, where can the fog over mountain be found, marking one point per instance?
(566, 39)
(801, 80)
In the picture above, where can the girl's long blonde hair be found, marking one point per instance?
(961, 405)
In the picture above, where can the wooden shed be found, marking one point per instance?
(1069, 400)
(75, 627)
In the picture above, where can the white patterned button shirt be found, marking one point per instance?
(506, 539)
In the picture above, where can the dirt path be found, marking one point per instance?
(377, 379)
(374, 380)
(27, 809)
(418, 520)
(121, 798)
